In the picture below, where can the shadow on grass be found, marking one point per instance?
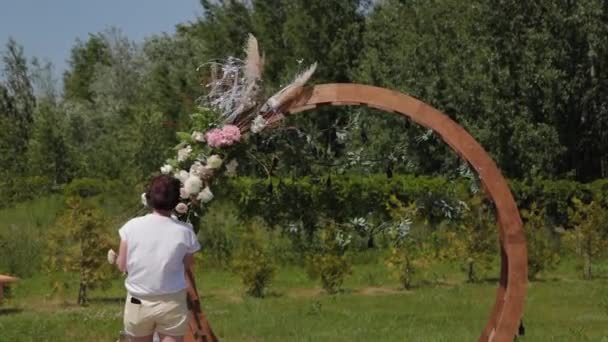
(10, 311)
(107, 300)
(274, 294)
(545, 280)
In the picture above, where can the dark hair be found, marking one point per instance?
(163, 192)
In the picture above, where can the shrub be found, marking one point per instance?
(20, 250)
(478, 238)
(18, 189)
(408, 253)
(22, 230)
(85, 187)
(542, 255)
(78, 243)
(588, 238)
(253, 261)
(218, 232)
(328, 260)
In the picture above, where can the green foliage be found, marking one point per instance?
(20, 250)
(48, 150)
(542, 252)
(219, 233)
(85, 188)
(341, 198)
(23, 188)
(253, 261)
(328, 259)
(478, 237)
(85, 58)
(22, 231)
(409, 254)
(588, 239)
(78, 243)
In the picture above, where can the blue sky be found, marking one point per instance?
(48, 28)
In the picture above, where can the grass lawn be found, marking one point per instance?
(371, 308)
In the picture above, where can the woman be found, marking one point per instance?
(155, 251)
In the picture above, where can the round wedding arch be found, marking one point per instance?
(505, 316)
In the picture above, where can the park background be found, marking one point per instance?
(341, 224)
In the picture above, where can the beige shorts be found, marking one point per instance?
(165, 314)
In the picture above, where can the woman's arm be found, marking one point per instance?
(188, 261)
(121, 260)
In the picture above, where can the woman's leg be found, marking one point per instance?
(141, 339)
(168, 338)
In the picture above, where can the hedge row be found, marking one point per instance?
(346, 196)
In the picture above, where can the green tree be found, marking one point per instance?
(48, 152)
(478, 238)
(17, 103)
(78, 243)
(590, 233)
(253, 261)
(328, 259)
(84, 59)
(563, 86)
(542, 254)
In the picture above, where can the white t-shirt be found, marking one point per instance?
(156, 246)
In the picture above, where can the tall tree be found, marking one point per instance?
(565, 85)
(48, 153)
(17, 103)
(84, 58)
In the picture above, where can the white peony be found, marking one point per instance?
(183, 194)
(193, 185)
(214, 162)
(182, 175)
(166, 169)
(181, 208)
(258, 124)
(144, 201)
(197, 169)
(111, 257)
(231, 168)
(205, 196)
(198, 136)
(184, 153)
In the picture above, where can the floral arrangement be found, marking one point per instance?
(234, 108)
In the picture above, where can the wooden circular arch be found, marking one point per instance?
(506, 314)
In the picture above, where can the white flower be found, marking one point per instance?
(197, 169)
(206, 195)
(258, 124)
(166, 169)
(214, 162)
(231, 168)
(183, 194)
(184, 153)
(193, 185)
(181, 208)
(111, 257)
(198, 136)
(144, 201)
(182, 175)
